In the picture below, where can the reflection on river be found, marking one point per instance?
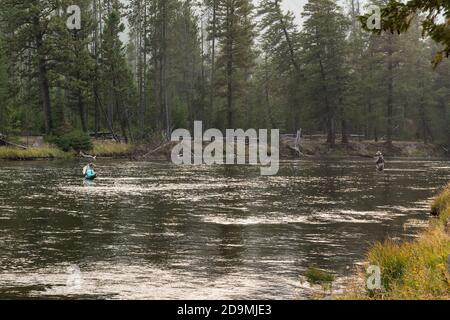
(158, 231)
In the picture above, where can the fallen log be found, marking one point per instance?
(164, 144)
(7, 143)
(297, 150)
(87, 156)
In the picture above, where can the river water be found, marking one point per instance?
(158, 231)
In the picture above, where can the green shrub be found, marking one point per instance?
(75, 140)
(392, 260)
(318, 276)
(441, 202)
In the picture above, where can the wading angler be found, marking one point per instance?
(210, 147)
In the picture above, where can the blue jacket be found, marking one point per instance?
(90, 173)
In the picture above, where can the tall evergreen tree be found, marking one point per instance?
(235, 32)
(116, 77)
(74, 63)
(27, 26)
(3, 89)
(281, 45)
(324, 37)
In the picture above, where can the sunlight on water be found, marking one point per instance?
(157, 231)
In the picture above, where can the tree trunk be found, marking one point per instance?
(370, 119)
(43, 80)
(213, 60)
(82, 111)
(95, 87)
(230, 13)
(427, 132)
(344, 131)
(288, 38)
(165, 116)
(45, 96)
(267, 93)
(140, 47)
(230, 93)
(144, 76)
(390, 95)
(96, 112)
(331, 133)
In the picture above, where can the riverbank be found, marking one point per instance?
(101, 149)
(417, 270)
(365, 149)
(319, 149)
(161, 151)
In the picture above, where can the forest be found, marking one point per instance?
(142, 68)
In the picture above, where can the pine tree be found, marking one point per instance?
(235, 33)
(116, 77)
(324, 42)
(416, 101)
(281, 45)
(398, 16)
(27, 31)
(279, 35)
(138, 18)
(75, 65)
(3, 89)
(441, 93)
(212, 24)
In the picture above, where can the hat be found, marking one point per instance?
(379, 153)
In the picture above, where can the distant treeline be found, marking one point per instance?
(229, 63)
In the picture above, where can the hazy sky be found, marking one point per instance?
(296, 6)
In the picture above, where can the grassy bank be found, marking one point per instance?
(414, 270)
(112, 149)
(101, 149)
(10, 153)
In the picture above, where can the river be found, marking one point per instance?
(159, 231)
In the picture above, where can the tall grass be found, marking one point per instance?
(441, 204)
(416, 270)
(111, 149)
(9, 153)
(101, 149)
